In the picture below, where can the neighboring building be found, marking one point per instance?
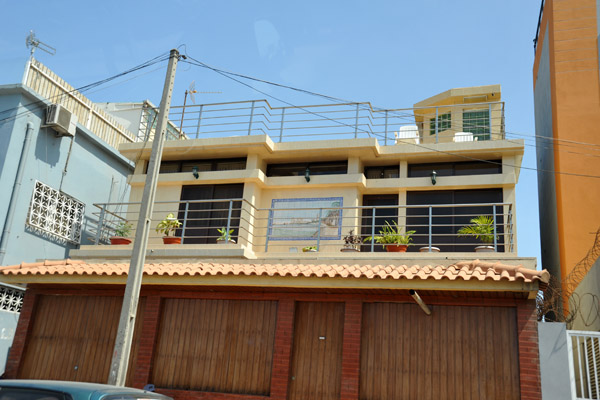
(258, 317)
(50, 182)
(567, 115)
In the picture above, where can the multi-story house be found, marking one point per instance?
(262, 298)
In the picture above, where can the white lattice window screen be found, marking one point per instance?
(11, 299)
(56, 213)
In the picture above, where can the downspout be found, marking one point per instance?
(15, 193)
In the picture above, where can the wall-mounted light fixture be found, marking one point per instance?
(195, 172)
(307, 174)
(433, 177)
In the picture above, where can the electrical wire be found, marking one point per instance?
(42, 103)
(336, 99)
(229, 76)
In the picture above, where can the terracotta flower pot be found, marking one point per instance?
(120, 240)
(171, 240)
(401, 248)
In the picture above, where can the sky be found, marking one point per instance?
(389, 53)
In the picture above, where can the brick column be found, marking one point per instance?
(143, 365)
(21, 335)
(283, 349)
(529, 359)
(351, 350)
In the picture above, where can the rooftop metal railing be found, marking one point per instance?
(462, 122)
(291, 226)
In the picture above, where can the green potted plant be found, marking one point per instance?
(167, 227)
(225, 236)
(309, 249)
(482, 228)
(122, 231)
(352, 242)
(392, 238)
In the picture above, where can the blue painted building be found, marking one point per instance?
(48, 182)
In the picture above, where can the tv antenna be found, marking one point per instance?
(34, 43)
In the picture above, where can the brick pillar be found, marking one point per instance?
(351, 350)
(283, 349)
(21, 335)
(143, 366)
(529, 359)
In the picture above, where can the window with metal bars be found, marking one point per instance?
(478, 123)
(444, 122)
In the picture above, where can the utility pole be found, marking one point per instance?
(120, 358)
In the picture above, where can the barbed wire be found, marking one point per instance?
(584, 307)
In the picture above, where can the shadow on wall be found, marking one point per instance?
(47, 146)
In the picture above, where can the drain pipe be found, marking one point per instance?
(419, 301)
(15, 193)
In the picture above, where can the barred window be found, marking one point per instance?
(444, 122)
(11, 299)
(478, 123)
(55, 213)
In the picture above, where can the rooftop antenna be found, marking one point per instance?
(191, 90)
(34, 43)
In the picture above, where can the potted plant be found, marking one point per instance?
(167, 227)
(482, 228)
(225, 236)
(309, 249)
(392, 238)
(122, 231)
(352, 242)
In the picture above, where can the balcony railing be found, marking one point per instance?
(460, 123)
(293, 224)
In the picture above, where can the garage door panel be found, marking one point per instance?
(457, 352)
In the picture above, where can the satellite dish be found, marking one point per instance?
(34, 43)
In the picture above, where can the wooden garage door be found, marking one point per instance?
(216, 346)
(72, 338)
(456, 353)
(317, 351)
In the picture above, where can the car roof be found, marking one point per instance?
(78, 390)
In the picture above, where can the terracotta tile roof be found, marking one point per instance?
(465, 270)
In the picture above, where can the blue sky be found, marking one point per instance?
(390, 53)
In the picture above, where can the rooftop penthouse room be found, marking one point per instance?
(247, 180)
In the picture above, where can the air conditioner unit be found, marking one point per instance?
(63, 121)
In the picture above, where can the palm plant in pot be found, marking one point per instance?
(167, 227)
(122, 231)
(225, 236)
(481, 228)
(392, 238)
(352, 242)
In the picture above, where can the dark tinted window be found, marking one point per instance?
(227, 164)
(8, 393)
(456, 168)
(388, 171)
(315, 168)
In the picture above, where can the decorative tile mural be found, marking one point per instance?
(306, 219)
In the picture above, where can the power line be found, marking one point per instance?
(82, 89)
(336, 99)
(227, 75)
